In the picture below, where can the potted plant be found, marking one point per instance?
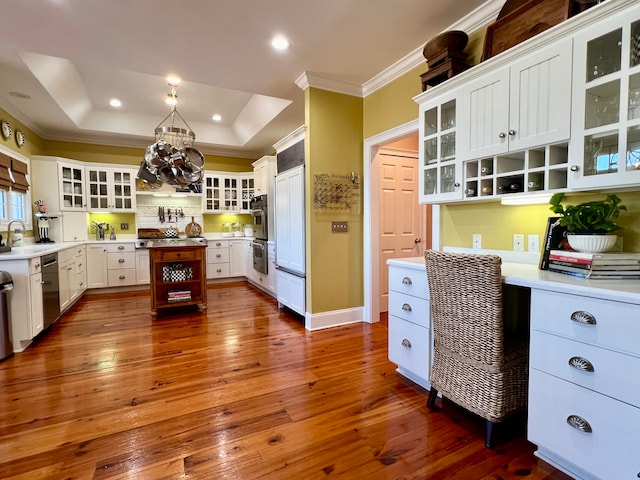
(590, 225)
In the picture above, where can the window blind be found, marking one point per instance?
(20, 171)
(5, 166)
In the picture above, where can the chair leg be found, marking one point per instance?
(488, 439)
(433, 394)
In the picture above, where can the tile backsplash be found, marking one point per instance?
(177, 211)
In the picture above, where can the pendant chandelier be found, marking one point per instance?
(172, 159)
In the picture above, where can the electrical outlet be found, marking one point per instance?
(339, 227)
(534, 243)
(124, 226)
(477, 240)
(518, 242)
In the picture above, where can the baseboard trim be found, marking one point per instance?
(334, 318)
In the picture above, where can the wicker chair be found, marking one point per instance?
(473, 366)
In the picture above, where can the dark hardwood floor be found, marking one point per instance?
(241, 392)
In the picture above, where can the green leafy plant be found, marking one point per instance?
(598, 216)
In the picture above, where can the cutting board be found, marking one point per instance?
(193, 229)
(150, 233)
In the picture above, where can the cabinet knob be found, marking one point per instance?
(218, 255)
(512, 133)
(579, 423)
(406, 343)
(457, 185)
(417, 240)
(502, 135)
(581, 363)
(121, 260)
(218, 244)
(406, 281)
(122, 277)
(219, 270)
(69, 268)
(37, 265)
(406, 307)
(581, 316)
(574, 168)
(120, 247)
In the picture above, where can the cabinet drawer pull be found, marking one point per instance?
(502, 135)
(407, 281)
(581, 363)
(406, 343)
(121, 260)
(219, 270)
(218, 255)
(581, 316)
(218, 244)
(574, 168)
(69, 268)
(120, 247)
(122, 277)
(579, 423)
(512, 133)
(406, 307)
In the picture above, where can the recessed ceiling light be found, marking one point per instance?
(115, 103)
(217, 117)
(173, 80)
(279, 42)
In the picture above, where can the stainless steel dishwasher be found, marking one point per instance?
(50, 288)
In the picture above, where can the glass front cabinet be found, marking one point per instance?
(440, 168)
(605, 140)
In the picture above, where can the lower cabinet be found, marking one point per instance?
(584, 401)
(96, 266)
(27, 316)
(66, 277)
(142, 267)
(81, 270)
(237, 258)
(121, 264)
(410, 339)
(218, 259)
(291, 291)
(266, 281)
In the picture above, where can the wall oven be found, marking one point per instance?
(259, 214)
(260, 255)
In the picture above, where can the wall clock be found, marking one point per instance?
(19, 138)
(6, 130)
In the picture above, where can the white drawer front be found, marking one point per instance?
(121, 260)
(409, 346)
(413, 309)
(612, 371)
(610, 451)
(406, 280)
(122, 277)
(217, 255)
(217, 270)
(617, 324)
(80, 250)
(120, 247)
(218, 243)
(35, 265)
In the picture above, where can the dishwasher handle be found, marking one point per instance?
(47, 261)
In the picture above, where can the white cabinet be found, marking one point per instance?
(237, 258)
(227, 192)
(218, 259)
(27, 315)
(440, 167)
(524, 105)
(67, 277)
(291, 291)
(290, 220)
(410, 338)
(584, 407)
(267, 282)
(96, 266)
(264, 171)
(72, 190)
(605, 137)
(111, 188)
(121, 264)
(81, 270)
(143, 274)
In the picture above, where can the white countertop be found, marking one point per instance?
(527, 275)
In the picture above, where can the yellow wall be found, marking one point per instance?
(333, 145)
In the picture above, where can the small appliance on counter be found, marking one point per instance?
(238, 229)
(248, 230)
(227, 230)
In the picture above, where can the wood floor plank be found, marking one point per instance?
(242, 391)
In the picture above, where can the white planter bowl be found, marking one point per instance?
(593, 243)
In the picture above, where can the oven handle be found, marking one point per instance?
(257, 245)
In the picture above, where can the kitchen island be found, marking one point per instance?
(178, 271)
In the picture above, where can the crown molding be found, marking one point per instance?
(291, 139)
(478, 18)
(310, 79)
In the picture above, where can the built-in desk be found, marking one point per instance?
(584, 386)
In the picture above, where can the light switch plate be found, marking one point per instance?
(533, 243)
(339, 227)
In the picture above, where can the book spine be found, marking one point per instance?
(552, 268)
(573, 260)
(552, 241)
(563, 263)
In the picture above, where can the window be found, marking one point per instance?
(14, 188)
(18, 211)
(3, 205)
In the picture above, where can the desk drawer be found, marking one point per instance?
(407, 307)
(609, 451)
(616, 326)
(611, 371)
(410, 346)
(409, 281)
(179, 255)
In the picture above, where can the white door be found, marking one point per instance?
(401, 218)
(290, 220)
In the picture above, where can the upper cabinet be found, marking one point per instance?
(264, 171)
(111, 189)
(72, 190)
(440, 167)
(605, 137)
(227, 192)
(524, 105)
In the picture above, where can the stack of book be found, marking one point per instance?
(612, 266)
(178, 296)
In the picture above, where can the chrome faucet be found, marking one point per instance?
(9, 240)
